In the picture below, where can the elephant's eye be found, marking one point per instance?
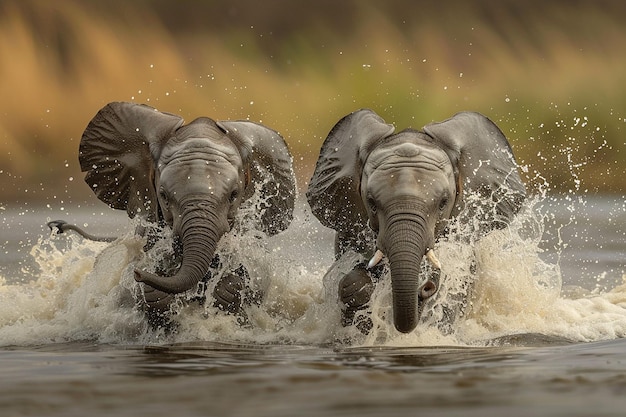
(233, 196)
(372, 205)
(443, 203)
(164, 197)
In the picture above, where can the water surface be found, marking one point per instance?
(539, 333)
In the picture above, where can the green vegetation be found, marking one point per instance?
(552, 75)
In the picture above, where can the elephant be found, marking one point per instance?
(192, 177)
(393, 195)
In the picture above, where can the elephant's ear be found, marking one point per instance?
(483, 161)
(334, 190)
(118, 151)
(269, 169)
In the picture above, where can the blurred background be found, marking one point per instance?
(551, 74)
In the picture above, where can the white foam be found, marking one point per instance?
(86, 291)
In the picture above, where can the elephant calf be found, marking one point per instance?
(391, 194)
(192, 177)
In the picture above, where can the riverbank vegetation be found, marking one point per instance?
(552, 75)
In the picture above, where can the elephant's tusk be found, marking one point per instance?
(430, 255)
(375, 259)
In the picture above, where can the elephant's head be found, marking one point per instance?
(193, 177)
(405, 186)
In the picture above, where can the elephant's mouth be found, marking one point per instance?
(430, 287)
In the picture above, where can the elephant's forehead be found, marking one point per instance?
(200, 150)
(409, 153)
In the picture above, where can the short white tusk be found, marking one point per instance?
(375, 259)
(430, 255)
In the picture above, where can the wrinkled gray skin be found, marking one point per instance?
(395, 192)
(193, 177)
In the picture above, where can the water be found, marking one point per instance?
(541, 334)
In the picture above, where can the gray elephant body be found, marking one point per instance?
(393, 194)
(192, 177)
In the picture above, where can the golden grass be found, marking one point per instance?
(538, 78)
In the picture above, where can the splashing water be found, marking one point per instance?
(496, 287)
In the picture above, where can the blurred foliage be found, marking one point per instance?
(551, 74)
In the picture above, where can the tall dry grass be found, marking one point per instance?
(552, 79)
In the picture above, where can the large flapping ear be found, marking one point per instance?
(334, 189)
(118, 151)
(269, 167)
(483, 161)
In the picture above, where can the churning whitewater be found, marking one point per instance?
(490, 289)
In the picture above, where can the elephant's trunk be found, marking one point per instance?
(407, 234)
(200, 230)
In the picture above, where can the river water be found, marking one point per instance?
(534, 327)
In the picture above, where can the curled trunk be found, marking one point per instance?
(200, 232)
